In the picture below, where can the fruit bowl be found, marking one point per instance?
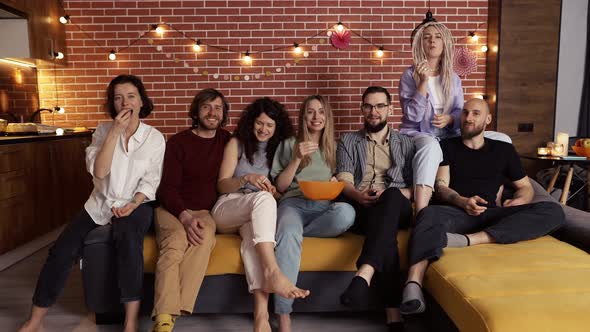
(321, 190)
(581, 151)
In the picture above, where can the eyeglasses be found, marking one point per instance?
(369, 107)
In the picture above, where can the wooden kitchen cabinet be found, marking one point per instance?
(43, 190)
(46, 33)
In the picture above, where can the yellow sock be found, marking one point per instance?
(163, 323)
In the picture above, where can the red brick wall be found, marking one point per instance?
(174, 74)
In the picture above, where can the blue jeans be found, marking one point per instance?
(298, 217)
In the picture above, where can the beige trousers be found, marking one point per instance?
(254, 215)
(181, 267)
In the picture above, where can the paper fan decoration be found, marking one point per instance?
(465, 61)
(340, 39)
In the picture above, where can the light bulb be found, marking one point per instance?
(339, 27)
(59, 131)
(484, 48)
(64, 19)
(495, 48)
(197, 46)
(247, 58)
(379, 52)
(474, 37)
(479, 96)
(297, 49)
(160, 30)
(112, 55)
(59, 55)
(60, 110)
(18, 76)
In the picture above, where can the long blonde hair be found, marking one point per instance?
(446, 59)
(327, 141)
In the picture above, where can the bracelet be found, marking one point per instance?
(243, 181)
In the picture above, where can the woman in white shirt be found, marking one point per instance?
(125, 161)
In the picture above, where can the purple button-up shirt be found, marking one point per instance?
(418, 110)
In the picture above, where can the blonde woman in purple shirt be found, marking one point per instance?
(431, 98)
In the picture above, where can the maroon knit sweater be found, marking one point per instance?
(191, 167)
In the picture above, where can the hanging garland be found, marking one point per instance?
(339, 36)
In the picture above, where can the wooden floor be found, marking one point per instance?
(17, 284)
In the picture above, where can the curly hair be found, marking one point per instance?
(245, 129)
(148, 105)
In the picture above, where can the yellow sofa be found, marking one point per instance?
(539, 285)
(319, 254)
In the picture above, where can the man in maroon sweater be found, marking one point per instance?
(185, 231)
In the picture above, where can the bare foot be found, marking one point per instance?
(276, 282)
(28, 326)
(285, 323)
(261, 323)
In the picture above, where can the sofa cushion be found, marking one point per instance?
(538, 285)
(319, 254)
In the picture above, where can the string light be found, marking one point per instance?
(64, 19)
(484, 48)
(495, 48)
(379, 52)
(59, 109)
(197, 46)
(58, 55)
(247, 58)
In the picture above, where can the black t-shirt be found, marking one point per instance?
(480, 172)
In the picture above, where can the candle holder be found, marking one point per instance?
(550, 146)
(542, 151)
(557, 150)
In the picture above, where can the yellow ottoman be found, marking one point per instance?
(539, 285)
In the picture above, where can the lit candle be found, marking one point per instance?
(563, 139)
(542, 151)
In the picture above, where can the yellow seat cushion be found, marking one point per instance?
(319, 254)
(538, 285)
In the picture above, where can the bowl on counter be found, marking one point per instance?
(321, 190)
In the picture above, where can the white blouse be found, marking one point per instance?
(133, 171)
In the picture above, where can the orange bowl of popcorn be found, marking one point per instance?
(321, 190)
(581, 151)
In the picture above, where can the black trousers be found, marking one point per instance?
(380, 223)
(504, 224)
(128, 233)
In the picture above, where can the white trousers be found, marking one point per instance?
(254, 216)
(429, 155)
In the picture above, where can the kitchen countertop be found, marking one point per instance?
(12, 139)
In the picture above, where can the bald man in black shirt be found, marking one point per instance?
(467, 183)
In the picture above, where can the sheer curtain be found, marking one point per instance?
(584, 119)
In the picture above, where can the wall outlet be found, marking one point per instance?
(525, 127)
